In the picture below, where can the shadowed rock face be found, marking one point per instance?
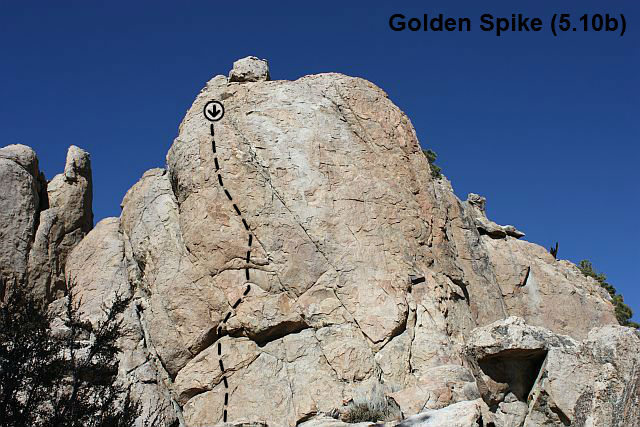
(514, 371)
(297, 254)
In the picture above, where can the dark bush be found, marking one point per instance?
(51, 380)
(363, 412)
(371, 404)
(431, 156)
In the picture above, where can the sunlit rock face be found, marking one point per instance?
(297, 257)
(40, 221)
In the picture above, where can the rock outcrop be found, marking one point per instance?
(40, 222)
(62, 225)
(531, 377)
(249, 69)
(476, 205)
(20, 202)
(298, 253)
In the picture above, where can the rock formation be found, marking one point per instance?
(298, 253)
(21, 198)
(40, 222)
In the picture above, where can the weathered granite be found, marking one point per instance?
(362, 272)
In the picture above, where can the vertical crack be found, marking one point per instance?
(221, 329)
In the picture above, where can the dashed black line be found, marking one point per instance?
(246, 269)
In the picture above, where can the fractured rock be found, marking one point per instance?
(269, 268)
(530, 376)
(40, 223)
(20, 201)
(249, 69)
(462, 414)
(556, 295)
(67, 220)
(477, 207)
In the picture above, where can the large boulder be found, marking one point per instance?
(529, 376)
(249, 69)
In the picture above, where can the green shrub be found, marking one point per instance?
(622, 310)
(431, 156)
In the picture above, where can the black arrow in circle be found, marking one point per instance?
(213, 111)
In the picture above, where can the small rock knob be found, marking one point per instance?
(478, 201)
(249, 69)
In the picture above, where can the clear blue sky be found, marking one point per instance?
(546, 128)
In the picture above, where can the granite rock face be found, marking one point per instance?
(249, 69)
(530, 376)
(20, 202)
(40, 222)
(67, 220)
(476, 205)
(297, 255)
